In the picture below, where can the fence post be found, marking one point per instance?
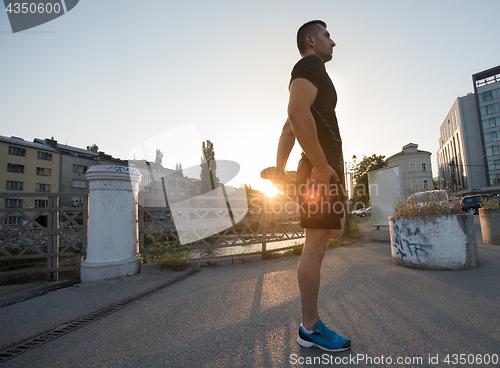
(264, 231)
(53, 238)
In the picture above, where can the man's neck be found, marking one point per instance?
(312, 53)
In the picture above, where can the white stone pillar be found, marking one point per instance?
(113, 236)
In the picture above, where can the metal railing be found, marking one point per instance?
(257, 227)
(52, 237)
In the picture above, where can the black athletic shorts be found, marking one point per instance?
(315, 212)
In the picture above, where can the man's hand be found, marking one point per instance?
(320, 180)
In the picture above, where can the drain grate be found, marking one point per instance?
(76, 324)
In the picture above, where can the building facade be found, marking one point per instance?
(27, 167)
(469, 153)
(74, 163)
(416, 167)
(158, 182)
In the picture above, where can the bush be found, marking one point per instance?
(491, 203)
(176, 259)
(427, 204)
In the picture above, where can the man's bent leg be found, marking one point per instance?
(337, 233)
(309, 274)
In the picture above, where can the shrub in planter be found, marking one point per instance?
(489, 216)
(432, 234)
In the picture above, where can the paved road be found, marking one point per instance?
(248, 315)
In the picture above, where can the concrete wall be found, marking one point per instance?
(434, 242)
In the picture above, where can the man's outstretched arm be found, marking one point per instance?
(302, 96)
(285, 145)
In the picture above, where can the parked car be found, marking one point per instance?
(364, 212)
(472, 203)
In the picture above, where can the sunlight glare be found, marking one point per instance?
(269, 189)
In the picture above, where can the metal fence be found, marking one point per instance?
(256, 228)
(47, 238)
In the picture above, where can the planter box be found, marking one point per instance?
(434, 242)
(490, 225)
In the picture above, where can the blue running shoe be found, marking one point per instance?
(323, 338)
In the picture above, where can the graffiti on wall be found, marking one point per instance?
(409, 242)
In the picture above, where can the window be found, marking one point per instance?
(42, 187)
(44, 156)
(79, 169)
(171, 192)
(182, 184)
(79, 184)
(15, 185)
(18, 151)
(43, 171)
(492, 151)
(13, 220)
(497, 164)
(424, 166)
(76, 200)
(182, 193)
(413, 167)
(13, 203)
(425, 183)
(171, 182)
(146, 190)
(41, 203)
(487, 138)
(15, 168)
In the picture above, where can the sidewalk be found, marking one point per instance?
(247, 316)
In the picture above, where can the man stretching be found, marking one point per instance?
(318, 185)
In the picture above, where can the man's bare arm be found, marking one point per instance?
(285, 145)
(302, 96)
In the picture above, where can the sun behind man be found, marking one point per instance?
(319, 179)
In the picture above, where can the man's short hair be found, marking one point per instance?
(308, 29)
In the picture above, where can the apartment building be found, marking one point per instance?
(416, 166)
(469, 153)
(158, 182)
(74, 163)
(27, 167)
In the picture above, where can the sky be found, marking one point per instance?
(136, 76)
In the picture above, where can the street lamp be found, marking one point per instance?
(350, 167)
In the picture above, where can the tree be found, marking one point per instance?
(159, 157)
(178, 167)
(208, 175)
(93, 147)
(361, 193)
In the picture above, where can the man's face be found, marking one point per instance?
(324, 44)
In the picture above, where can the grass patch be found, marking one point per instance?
(290, 252)
(174, 258)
